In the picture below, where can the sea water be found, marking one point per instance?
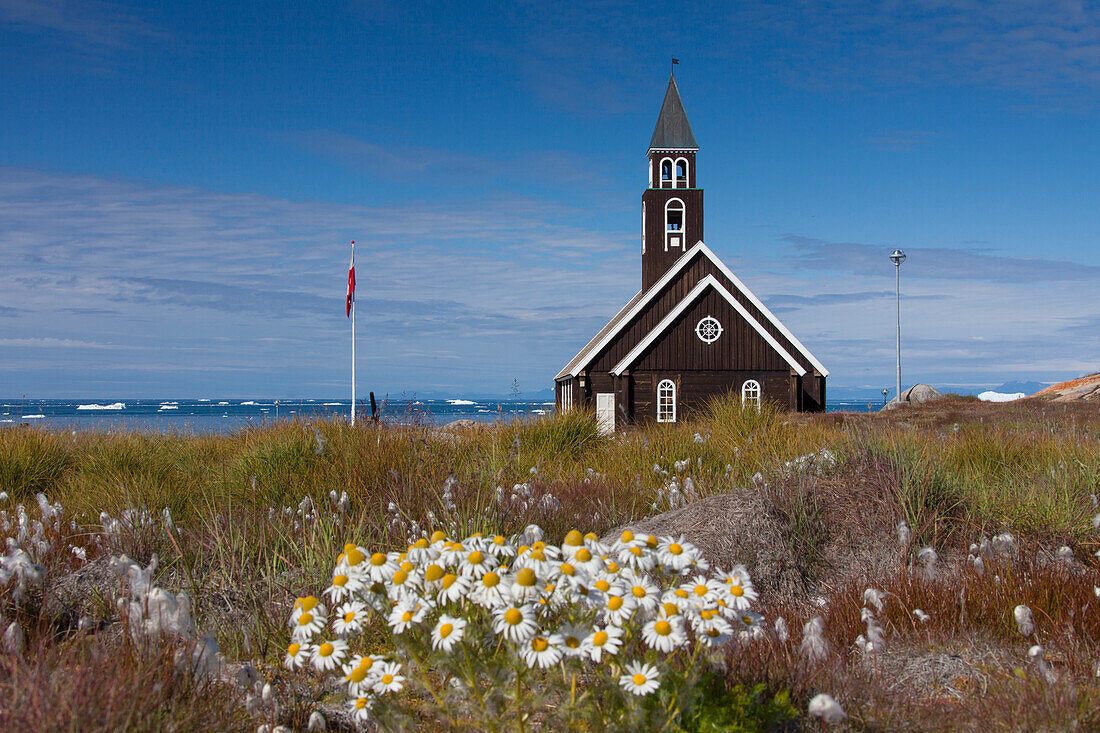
(221, 415)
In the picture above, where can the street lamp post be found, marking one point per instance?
(897, 257)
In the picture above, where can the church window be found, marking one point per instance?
(681, 173)
(708, 330)
(666, 401)
(666, 174)
(567, 395)
(750, 394)
(674, 215)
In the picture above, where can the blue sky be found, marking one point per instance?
(178, 183)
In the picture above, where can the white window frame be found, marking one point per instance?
(682, 231)
(643, 227)
(567, 396)
(671, 173)
(687, 173)
(666, 401)
(750, 394)
(699, 329)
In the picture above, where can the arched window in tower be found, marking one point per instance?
(750, 394)
(666, 401)
(674, 217)
(666, 174)
(681, 173)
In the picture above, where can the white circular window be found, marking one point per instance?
(708, 330)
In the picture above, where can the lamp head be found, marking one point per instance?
(897, 256)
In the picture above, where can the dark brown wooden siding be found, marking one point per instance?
(739, 347)
(656, 258)
(669, 297)
(694, 388)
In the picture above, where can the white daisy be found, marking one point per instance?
(297, 655)
(361, 676)
(572, 639)
(606, 640)
(717, 632)
(637, 557)
(404, 582)
(736, 586)
(343, 585)
(542, 651)
(360, 708)
(676, 554)
(699, 591)
(515, 622)
(328, 655)
(617, 607)
(349, 618)
(664, 635)
(307, 623)
(476, 563)
(388, 679)
(433, 574)
(405, 615)
(643, 591)
(524, 585)
(490, 590)
(421, 552)
(448, 631)
(381, 567)
(500, 547)
(453, 588)
(640, 679)
(310, 604)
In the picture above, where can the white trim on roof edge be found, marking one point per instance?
(668, 320)
(586, 354)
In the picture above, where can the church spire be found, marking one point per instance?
(673, 131)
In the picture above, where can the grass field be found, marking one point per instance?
(244, 524)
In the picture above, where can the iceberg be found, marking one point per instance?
(94, 406)
(203, 399)
(223, 403)
(167, 407)
(991, 396)
(331, 404)
(249, 402)
(461, 402)
(32, 417)
(169, 403)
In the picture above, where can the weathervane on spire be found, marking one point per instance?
(675, 62)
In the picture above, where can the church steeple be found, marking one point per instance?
(672, 206)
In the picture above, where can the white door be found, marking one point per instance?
(605, 412)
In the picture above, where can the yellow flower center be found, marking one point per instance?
(583, 554)
(572, 642)
(522, 549)
(627, 536)
(639, 679)
(340, 581)
(591, 536)
(567, 569)
(713, 632)
(437, 536)
(612, 567)
(538, 555)
(407, 617)
(420, 544)
(400, 577)
(662, 627)
(349, 617)
(540, 545)
(675, 549)
(603, 585)
(355, 556)
(490, 579)
(599, 638)
(448, 580)
(475, 558)
(706, 614)
(700, 590)
(736, 590)
(326, 649)
(651, 542)
(499, 540)
(614, 603)
(305, 619)
(407, 566)
(433, 573)
(361, 703)
(378, 559)
(747, 620)
(307, 604)
(387, 679)
(540, 644)
(365, 664)
(358, 675)
(574, 538)
(525, 577)
(513, 616)
(445, 630)
(680, 593)
(293, 649)
(671, 609)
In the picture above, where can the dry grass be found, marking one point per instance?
(954, 470)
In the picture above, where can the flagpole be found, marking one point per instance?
(353, 345)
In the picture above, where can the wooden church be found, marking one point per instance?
(694, 330)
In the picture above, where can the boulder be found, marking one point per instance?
(740, 527)
(918, 394)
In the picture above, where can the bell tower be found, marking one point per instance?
(672, 206)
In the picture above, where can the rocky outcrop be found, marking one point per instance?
(918, 394)
(1085, 389)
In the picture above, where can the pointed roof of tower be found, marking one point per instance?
(673, 131)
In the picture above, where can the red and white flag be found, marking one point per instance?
(351, 280)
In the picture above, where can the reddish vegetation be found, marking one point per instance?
(1079, 385)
